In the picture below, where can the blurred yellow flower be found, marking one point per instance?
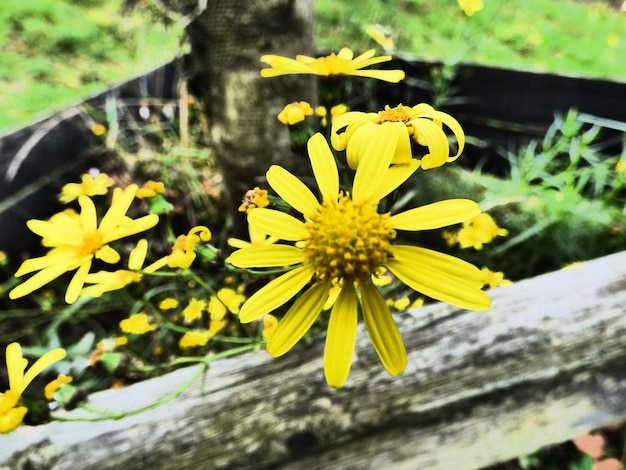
(183, 252)
(168, 303)
(253, 198)
(89, 186)
(479, 231)
(11, 415)
(493, 278)
(471, 6)
(343, 63)
(193, 310)
(294, 113)
(76, 239)
(150, 189)
(51, 387)
(138, 324)
(226, 299)
(380, 34)
(192, 339)
(356, 131)
(612, 39)
(269, 325)
(332, 252)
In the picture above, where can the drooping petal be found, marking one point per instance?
(77, 283)
(38, 280)
(277, 224)
(40, 364)
(456, 128)
(373, 166)
(298, 319)
(440, 285)
(431, 135)
(341, 337)
(352, 119)
(262, 256)
(292, 190)
(403, 152)
(396, 175)
(324, 167)
(436, 215)
(275, 293)
(382, 330)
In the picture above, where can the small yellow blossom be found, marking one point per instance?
(191, 339)
(402, 303)
(98, 129)
(168, 303)
(12, 415)
(183, 252)
(335, 112)
(75, 240)
(479, 231)
(89, 186)
(215, 326)
(105, 346)
(193, 310)
(471, 6)
(269, 325)
(493, 278)
(295, 112)
(138, 323)
(612, 39)
(355, 133)
(150, 189)
(51, 387)
(343, 63)
(253, 198)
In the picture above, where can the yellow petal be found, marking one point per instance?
(432, 135)
(341, 337)
(373, 166)
(392, 76)
(382, 330)
(40, 364)
(292, 190)
(440, 284)
(275, 294)
(456, 128)
(435, 215)
(77, 283)
(16, 364)
(38, 280)
(138, 254)
(396, 175)
(277, 224)
(324, 167)
(298, 319)
(262, 256)
(352, 119)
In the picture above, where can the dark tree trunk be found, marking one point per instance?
(227, 41)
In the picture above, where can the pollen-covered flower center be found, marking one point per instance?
(348, 241)
(397, 114)
(91, 243)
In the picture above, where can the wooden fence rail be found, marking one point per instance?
(544, 364)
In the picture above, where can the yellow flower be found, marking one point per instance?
(183, 252)
(493, 278)
(479, 231)
(193, 310)
(137, 323)
(471, 6)
(192, 339)
(612, 39)
(76, 239)
(253, 198)
(11, 415)
(168, 304)
(51, 387)
(342, 63)
(355, 131)
(344, 241)
(294, 113)
(89, 186)
(150, 189)
(269, 325)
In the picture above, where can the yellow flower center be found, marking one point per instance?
(397, 114)
(348, 241)
(91, 243)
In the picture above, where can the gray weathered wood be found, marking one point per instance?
(544, 364)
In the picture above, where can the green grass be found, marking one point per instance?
(55, 52)
(567, 37)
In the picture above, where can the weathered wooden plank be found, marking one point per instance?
(544, 364)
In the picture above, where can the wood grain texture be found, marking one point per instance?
(544, 364)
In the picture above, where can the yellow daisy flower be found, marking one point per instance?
(76, 239)
(138, 324)
(343, 241)
(168, 303)
(352, 131)
(343, 63)
(193, 310)
(89, 186)
(294, 113)
(11, 415)
(151, 189)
